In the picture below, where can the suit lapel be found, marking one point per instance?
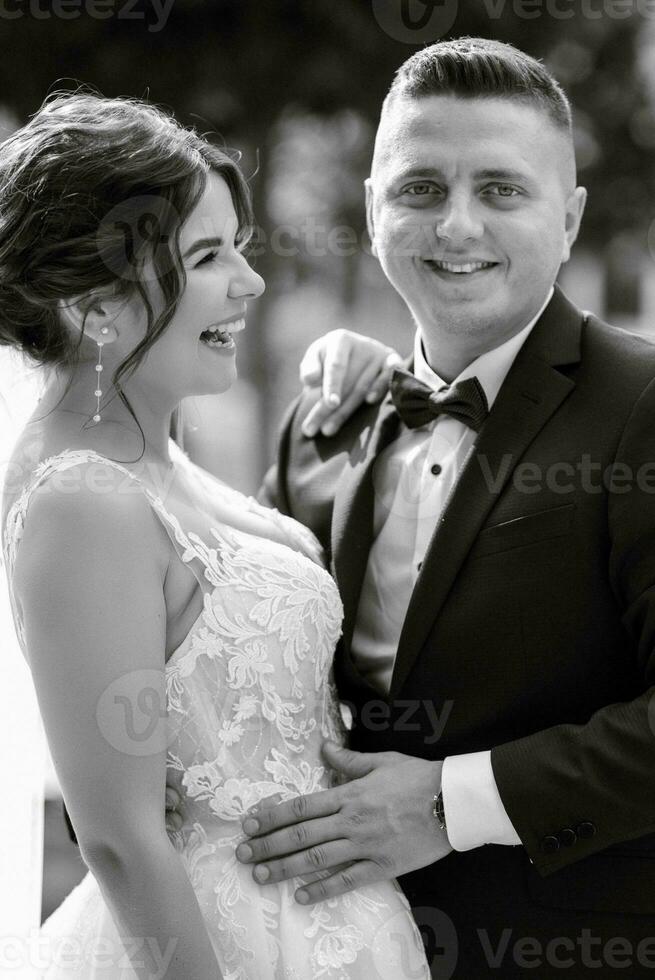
(532, 391)
(352, 517)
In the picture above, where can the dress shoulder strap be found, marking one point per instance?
(64, 460)
(12, 531)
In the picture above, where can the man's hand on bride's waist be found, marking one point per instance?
(349, 369)
(376, 827)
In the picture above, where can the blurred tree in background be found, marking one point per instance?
(296, 85)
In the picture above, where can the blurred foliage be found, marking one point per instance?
(297, 86)
(237, 66)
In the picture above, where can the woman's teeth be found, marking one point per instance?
(222, 338)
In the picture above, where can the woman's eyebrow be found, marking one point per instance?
(203, 243)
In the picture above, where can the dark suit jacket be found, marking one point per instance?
(533, 616)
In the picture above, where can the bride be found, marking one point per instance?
(141, 586)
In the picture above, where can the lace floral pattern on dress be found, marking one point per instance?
(250, 699)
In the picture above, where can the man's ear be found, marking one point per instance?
(575, 206)
(370, 224)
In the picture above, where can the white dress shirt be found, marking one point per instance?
(413, 479)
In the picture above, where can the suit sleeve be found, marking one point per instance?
(598, 779)
(274, 490)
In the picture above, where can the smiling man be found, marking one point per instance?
(497, 649)
(472, 208)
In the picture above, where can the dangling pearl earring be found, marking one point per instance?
(98, 392)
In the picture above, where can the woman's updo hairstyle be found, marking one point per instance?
(90, 189)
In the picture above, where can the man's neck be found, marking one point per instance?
(448, 360)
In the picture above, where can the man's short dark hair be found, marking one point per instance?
(474, 67)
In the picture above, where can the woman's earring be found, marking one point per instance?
(98, 392)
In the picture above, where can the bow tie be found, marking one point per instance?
(417, 403)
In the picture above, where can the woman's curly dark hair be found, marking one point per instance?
(91, 188)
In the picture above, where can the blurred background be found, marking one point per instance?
(296, 86)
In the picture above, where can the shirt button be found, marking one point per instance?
(419, 566)
(435, 469)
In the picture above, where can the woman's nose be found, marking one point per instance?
(247, 283)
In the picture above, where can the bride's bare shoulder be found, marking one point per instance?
(81, 504)
(38, 443)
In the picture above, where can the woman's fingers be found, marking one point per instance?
(335, 369)
(326, 364)
(311, 366)
(172, 798)
(334, 420)
(350, 369)
(380, 386)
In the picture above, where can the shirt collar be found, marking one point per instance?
(490, 368)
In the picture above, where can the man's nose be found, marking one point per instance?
(459, 219)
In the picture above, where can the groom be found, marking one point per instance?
(494, 546)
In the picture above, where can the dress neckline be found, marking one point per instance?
(224, 533)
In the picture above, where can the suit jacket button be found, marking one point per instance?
(550, 844)
(586, 829)
(567, 837)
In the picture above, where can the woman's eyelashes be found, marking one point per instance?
(239, 248)
(209, 257)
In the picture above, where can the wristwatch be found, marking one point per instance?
(438, 811)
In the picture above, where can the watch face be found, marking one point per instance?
(438, 810)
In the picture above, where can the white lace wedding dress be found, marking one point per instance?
(250, 697)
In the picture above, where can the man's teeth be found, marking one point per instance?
(460, 267)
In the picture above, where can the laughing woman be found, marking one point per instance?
(140, 581)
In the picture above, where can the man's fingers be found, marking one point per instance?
(300, 808)
(299, 837)
(339, 883)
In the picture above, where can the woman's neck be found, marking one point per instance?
(73, 406)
